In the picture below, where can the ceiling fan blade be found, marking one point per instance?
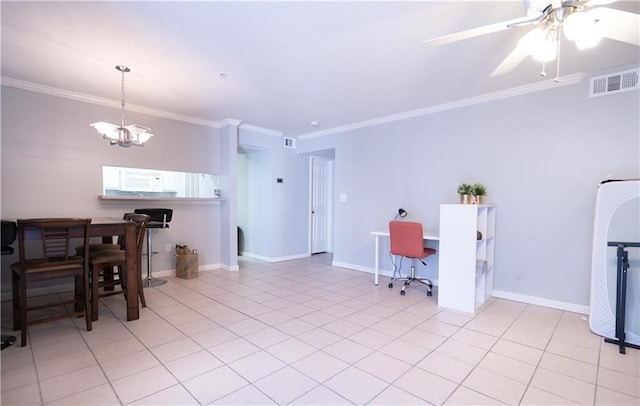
(532, 20)
(476, 32)
(511, 61)
(595, 3)
(616, 24)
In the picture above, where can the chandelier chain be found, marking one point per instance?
(122, 101)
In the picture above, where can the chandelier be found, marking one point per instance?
(123, 135)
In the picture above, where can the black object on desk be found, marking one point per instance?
(621, 293)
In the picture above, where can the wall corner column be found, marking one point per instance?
(229, 207)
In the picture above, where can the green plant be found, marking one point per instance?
(465, 189)
(478, 189)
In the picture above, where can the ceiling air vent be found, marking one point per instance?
(289, 142)
(615, 83)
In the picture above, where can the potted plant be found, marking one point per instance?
(465, 191)
(479, 191)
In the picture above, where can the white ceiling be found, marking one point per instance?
(285, 63)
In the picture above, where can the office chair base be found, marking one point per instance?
(409, 280)
(412, 277)
(152, 282)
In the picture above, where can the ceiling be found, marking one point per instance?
(278, 65)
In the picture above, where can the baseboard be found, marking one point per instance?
(201, 268)
(276, 259)
(381, 272)
(167, 273)
(211, 267)
(161, 274)
(540, 301)
(232, 268)
(534, 300)
(358, 268)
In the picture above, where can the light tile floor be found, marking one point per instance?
(305, 332)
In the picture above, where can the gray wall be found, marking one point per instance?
(541, 156)
(229, 187)
(52, 166)
(273, 216)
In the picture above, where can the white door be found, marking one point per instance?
(321, 178)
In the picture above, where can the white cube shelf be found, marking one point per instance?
(465, 270)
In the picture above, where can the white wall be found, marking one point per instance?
(541, 157)
(52, 166)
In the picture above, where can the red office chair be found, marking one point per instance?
(407, 241)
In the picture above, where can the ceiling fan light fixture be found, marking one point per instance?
(540, 44)
(583, 29)
(546, 51)
(588, 42)
(531, 40)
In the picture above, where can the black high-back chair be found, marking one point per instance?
(158, 218)
(9, 235)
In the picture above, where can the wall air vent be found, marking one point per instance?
(289, 142)
(615, 83)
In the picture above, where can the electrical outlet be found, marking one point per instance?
(167, 248)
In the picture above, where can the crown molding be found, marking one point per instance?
(86, 98)
(249, 127)
(243, 126)
(230, 122)
(101, 101)
(503, 94)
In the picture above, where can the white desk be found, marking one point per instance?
(432, 236)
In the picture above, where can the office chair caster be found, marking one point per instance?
(429, 293)
(391, 286)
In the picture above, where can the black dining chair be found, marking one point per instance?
(9, 235)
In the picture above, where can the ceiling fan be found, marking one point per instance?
(583, 21)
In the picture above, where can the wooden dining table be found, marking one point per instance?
(107, 227)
